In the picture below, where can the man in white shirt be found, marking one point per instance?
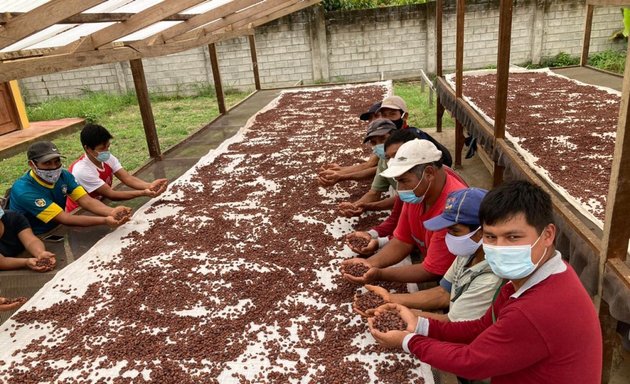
(96, 168)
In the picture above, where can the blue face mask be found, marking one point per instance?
(512, 261)
(1, 212)
(103, 156)
(409, 196)
(379, 150)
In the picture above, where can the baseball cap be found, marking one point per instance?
(394, 102)
(410, 154)
(365, 116)
(379, 127)
(42, 151)
(462, 207)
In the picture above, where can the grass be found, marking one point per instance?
(175, 118)
(421, 115)
(609, 60)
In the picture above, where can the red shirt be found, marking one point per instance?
(550, 334)
(387, 227)
(410, 229)
(106, 174)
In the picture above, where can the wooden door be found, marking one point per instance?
(9, 120)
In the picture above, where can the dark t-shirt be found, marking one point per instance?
(446, 155)
(14, 223)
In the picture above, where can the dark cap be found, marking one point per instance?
(462, 207)
(379, 127)
(366, 115)
(42, 151)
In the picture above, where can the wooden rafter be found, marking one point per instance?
(18, 69)
(277, 13)
(83, 18)
(199, 20)
(41, 18)
(135, 23)
(242, 18)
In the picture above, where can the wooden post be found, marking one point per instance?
(439, 4)
(142, 93)
(252, 48)
(459, 77)
(503, 77)
(216, 75)
(586, 41)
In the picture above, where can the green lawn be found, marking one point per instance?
(176, 118)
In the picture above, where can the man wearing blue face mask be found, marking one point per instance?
(542, 328)
(423, 186)
(469, 285)
(377, 133)
(40, 195)
(96, 168)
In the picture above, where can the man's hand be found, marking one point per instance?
(349, 209)
(390, 339)
(382, 292)
(8, 305)
(369, 276)
(157, 187)
(329, 177)
(45, 254)
(31, 263)
(118, 216)
(331, 166)
(405, 313)
(369, 249)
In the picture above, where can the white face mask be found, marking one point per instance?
(462, 245)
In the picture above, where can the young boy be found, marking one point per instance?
(95, 170)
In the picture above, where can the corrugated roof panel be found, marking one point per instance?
(70, 35)
(206, 6)
(20, 5)
(38, 37)
(149, 31)
(109, 6)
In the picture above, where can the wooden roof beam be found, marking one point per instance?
(18, 69)
(41, 18)
(257, 11)
(84, 18)
(199, 20)
(135, 23)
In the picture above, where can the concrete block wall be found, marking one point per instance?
(364, 44)
(311, 46)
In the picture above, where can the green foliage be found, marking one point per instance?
(337, 5)
(610, 60)
(562, 59)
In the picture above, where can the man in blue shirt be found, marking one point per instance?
(40, 194)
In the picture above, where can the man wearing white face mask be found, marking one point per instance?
(40, 194)
(469, 285)
(95, 170)
(542, 328)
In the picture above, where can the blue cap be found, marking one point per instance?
(462, 207)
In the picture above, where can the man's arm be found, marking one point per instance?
(380, 205)
(392, 253)
(387, 227)
(110, 193)
(415, 273)
(10, 263)
(131, 181)
(33, 244)
(95, 206)
(433, 298)
(509, 345)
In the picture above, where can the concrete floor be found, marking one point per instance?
(591, 76)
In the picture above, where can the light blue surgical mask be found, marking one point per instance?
(1, 212)
(512, 261)
(409, 196)
(379, 150)
(103, 156)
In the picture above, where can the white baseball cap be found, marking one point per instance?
(410, 154)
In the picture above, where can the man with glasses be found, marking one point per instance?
(40, 194)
